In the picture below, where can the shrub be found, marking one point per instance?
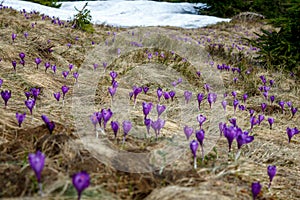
(82, 20)
(281, 49)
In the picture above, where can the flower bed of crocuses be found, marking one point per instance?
(257, 139)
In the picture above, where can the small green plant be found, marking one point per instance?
(82, 20)
(50, 3)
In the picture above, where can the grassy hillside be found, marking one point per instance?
(226, 62)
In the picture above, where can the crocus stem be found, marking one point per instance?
(63, 101)
(269, 185)
(40, 189)
(202, 150)
(195, 162)
(237, 155)
(123, 141)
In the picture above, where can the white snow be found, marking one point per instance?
(124, 13)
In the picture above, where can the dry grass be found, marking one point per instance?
(219, 177)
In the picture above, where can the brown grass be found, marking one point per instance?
(219, 177)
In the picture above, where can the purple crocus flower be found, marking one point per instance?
(271, 121)
(5, 94)
(37, 162)
(37, 62)
(22, 55)
(130, 95)
(235, 104)
(255, 187)
(188, 131)
(35, 92)
(13, 36)
(271, 82)
(106, 115)
(95, 65)
(210, 99)
(200, 97)
(47, 65)
(149, 56)
(230, 133)
(53, 68)
(50, 126)
(76, 75)
(136, 92)
(253, 121)
(20, 118)
(201, 119)
(81, 181)
(291, 132)
(242, 107)
(157, 126)
(224, 104)
(145, 89)
(64, 90)
(251, 112)
(14, 64)
(65, 74)
(233, 121)
(99, 117)
(94, 120)
(160, 109)
(104, 65)
(27, 94)
(271, 173)
(146, 108)
(113, 75)
(272, 98)
(194, 146)
(260, 119)
(172, 94)
(206, 87)
(114, 127)
(243, 138)
(126, 128)
(187, 96)
(112, 91)
(147, 123)
(221, 128)
(71, 66)
(245, 97)
(22, 62)
(294, 110)
(174, 83)
(26, 35)
(166, 95)
(289, 104)
(235, 79)
(30, 104)
(263, 79)
(200, 134)
(281, 104)
(263, 107)
(159, 93)
(233, 93)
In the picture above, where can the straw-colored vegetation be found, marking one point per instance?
(219, 177)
